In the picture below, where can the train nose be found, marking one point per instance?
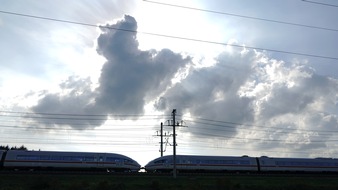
(148, 167)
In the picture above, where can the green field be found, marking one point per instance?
(105, 182)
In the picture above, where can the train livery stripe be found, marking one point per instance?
(208, 165)
(63, 162)
(217, 165)
(275, 166)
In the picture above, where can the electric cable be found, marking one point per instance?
(247, 17)
(319, 3)
(175, 37)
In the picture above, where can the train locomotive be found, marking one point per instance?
(185, 163)
(53, 160)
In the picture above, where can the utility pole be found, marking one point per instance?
(161, 139)
(174, 141)
(171, 123)
(166, 139)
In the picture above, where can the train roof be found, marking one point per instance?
(244, 156)
(204, 156)
(63, 152)
(318, 158)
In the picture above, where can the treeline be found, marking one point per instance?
(22, 147)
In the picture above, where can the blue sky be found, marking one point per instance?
(263, 102)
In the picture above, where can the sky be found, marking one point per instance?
(245, 77)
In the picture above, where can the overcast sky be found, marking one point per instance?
(66, 86)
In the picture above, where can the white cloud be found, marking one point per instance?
(250, 88)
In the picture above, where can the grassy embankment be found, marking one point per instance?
(106, 182)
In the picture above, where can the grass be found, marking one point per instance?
(106, 182)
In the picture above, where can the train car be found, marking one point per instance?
(268, 164)
(17, 159)
(186, 163)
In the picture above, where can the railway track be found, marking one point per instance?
(144, 174)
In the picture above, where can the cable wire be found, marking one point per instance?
(247, 17)
(269, 128)
(174, 37)
(319, 3)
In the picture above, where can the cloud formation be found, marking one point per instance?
(129, 78)
(287, 103)
(276, 99)
(275, 103)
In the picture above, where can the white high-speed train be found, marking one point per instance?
(49, 160)
(186, 163)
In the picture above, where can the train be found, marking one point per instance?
(264, 164)
(54, 160)
(111, 162)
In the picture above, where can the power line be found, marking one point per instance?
(250, 150)
(218, 132)
(268, 128)
(174, 37)
(319, 3)
(84, 115)
(67, 118)
(247, 17)
(266, 140)
(68, 129)
(218, 121)
(221, 126)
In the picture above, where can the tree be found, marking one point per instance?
(22, 147)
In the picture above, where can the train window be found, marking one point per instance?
(27, 157)
(89, 159)
(110, 159)
(128, 161)
(101, 159)
(279, 163)
(44, 157)
(244, 162)
(118, 160)
(114, 159)
(73, 158)
(56, 158)
(160, 161)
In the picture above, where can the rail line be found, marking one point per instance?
(169, 175)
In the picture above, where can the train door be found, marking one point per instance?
(167, 163)
(100, 160)
(183, 163)
(119, 162)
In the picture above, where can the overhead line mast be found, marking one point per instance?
(174, 124)
(174, 144)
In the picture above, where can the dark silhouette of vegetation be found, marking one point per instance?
(22, 147)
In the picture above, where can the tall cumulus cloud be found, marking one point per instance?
(129, 78)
